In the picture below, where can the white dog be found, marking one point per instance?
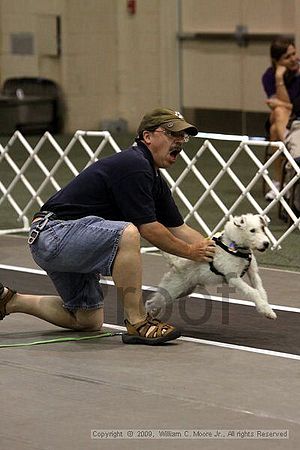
(233, 258)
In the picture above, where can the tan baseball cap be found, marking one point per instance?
(168, 119)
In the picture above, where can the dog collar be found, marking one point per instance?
(234, 251)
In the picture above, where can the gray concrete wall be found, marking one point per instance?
(117, 65)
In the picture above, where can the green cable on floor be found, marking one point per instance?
(61, 339)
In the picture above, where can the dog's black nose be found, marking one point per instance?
(266, 245)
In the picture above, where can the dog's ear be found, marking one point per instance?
(264, 220)
(239, 221)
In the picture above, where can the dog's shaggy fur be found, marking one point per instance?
(242, 235)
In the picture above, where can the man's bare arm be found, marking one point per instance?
(179, 241)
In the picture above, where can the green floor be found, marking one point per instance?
(287, 257)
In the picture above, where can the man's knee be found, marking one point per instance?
(89, 320)
(130, 237)
(280, 113)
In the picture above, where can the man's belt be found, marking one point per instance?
(42, 214)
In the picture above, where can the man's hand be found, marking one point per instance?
(203, 251)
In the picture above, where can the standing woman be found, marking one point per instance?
(281, 83)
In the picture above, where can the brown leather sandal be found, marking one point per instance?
(3, 301)
(149, 332)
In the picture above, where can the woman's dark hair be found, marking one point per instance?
(279, 46)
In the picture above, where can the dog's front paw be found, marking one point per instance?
(267, 311)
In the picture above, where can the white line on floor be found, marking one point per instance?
(187, 339)
(222, 344)
(214, 298)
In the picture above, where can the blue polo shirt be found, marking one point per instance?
(125, 186)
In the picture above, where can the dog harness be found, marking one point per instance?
(234, 251)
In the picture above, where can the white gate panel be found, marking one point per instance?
(64, 161)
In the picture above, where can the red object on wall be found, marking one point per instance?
(131, 7)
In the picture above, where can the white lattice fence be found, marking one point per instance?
(61, 158)
(35, 176)
(259, 171)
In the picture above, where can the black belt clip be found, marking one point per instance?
(34, 234)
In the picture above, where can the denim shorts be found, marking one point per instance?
(74, 254)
